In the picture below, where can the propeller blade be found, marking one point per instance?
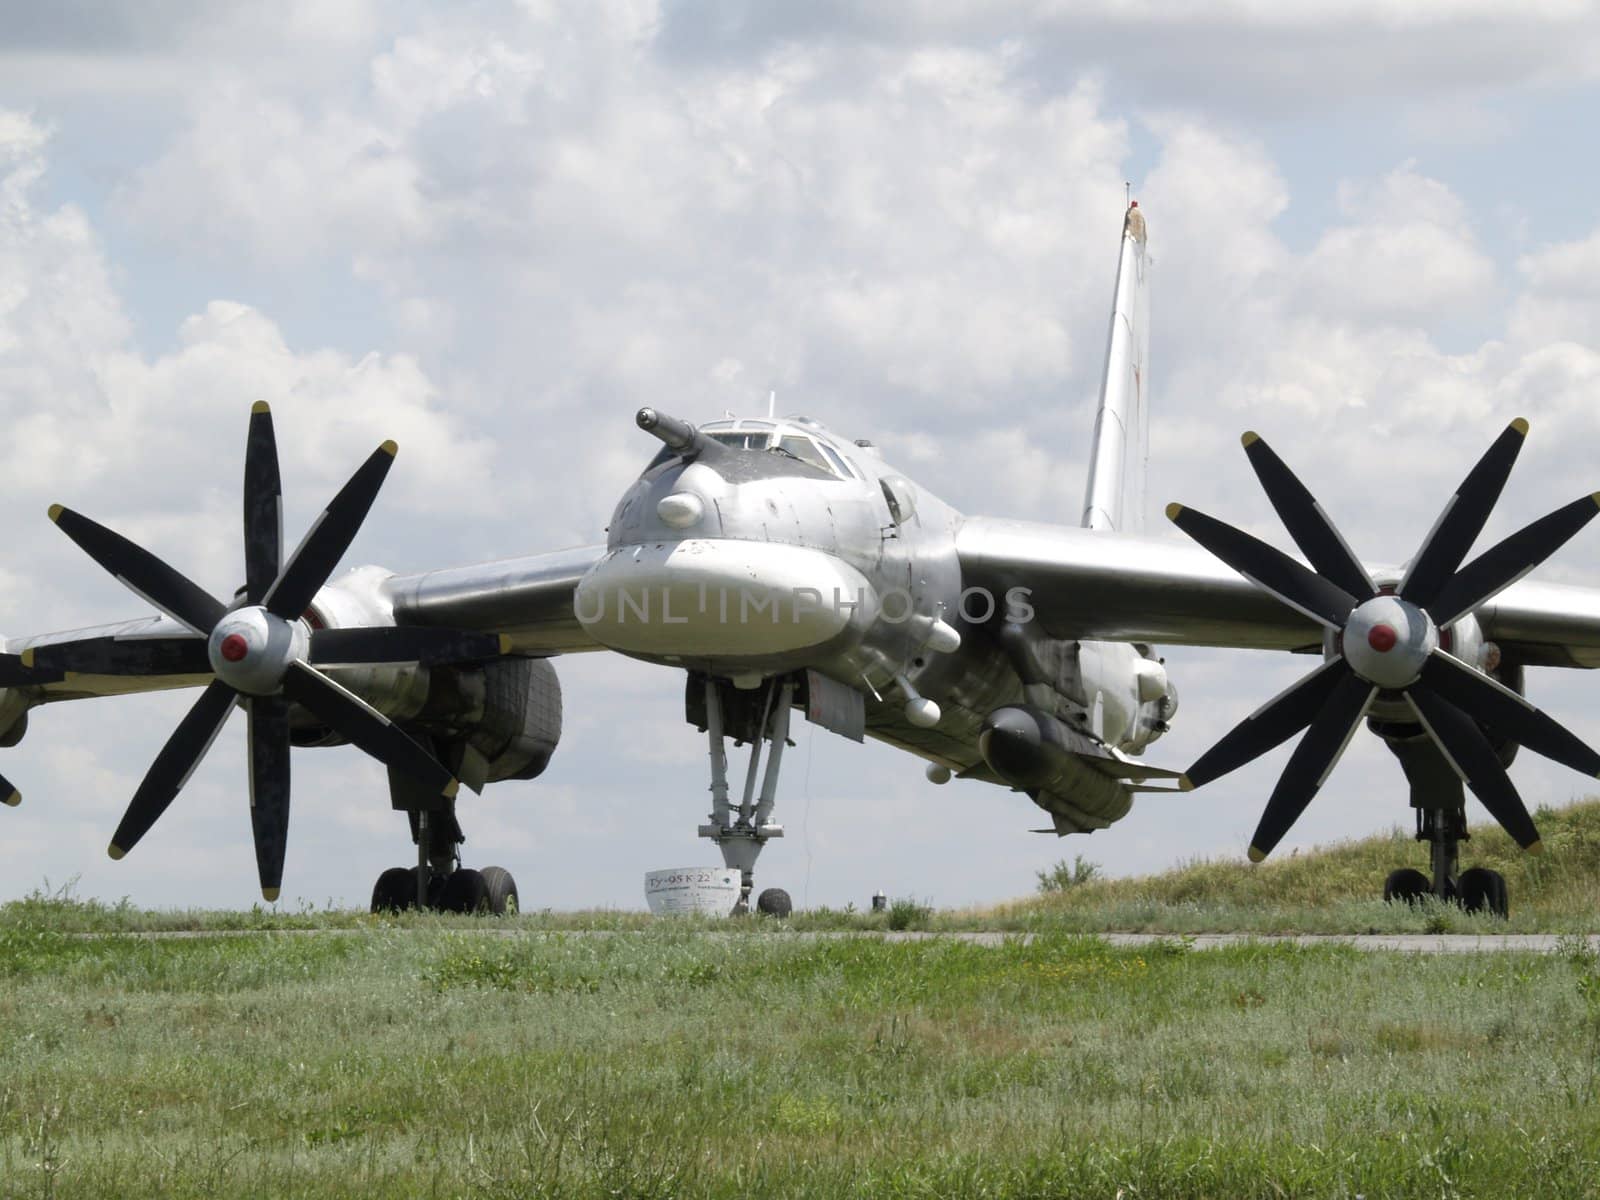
(1307, 524)
(141, 572)
(1503, 564)
(1472, 757)
(1506, 713)
(1267, 568)
(329, 537)
(173, 766)
(1274, 723)
(404, 644)
(1462, 520)
(9, 795)
(352, 717)
(269, 787)
(21, 670)
(263, 505)
(1312, 761)
(125, 656)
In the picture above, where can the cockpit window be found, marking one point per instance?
(806, 451)
(841, 468)
(741, 440)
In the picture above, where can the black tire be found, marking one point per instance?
(1483, 890)
(774, 902)
(464, 891)
(395, 891)
(1406, 886)
(502, 891)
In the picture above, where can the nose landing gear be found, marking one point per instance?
(755, 717)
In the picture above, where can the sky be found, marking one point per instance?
(491, 231)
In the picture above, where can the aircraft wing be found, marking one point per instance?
(529, 599)
(1085, 584)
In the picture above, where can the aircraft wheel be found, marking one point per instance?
(774, 902)
(1483, 890)
(1405, 886)
(502, 891)
(395, 891)
(464, 891)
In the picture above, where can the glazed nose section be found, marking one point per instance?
(721, 598)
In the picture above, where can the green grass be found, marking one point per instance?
(437, 1061)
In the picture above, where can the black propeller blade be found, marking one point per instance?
(273, 678)
(1274, 723)
(141, 572)
(329, 537)
(263, 505)
(1474, 759)
(1382, 636)
(1499, 567)
(1312, 761)
(173, 766)
(1268, 568)
(1307, 524)
(1463, 518)
(269, 787)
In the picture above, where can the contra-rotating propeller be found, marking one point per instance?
(261, 653)
(1387, 640)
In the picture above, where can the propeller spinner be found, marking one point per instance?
(1390, 643)
(263, 656)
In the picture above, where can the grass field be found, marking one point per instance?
(435, 1062)
(432, 1056)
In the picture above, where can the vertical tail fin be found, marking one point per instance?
(1114, 499)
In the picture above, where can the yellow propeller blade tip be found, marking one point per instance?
(1173, 510)
(14, 799)
(1257, 854)
(1595, 496)
(27, 659)
(115, 851)
(1536, 848)
(391, 448)
(505, 643)
(1185, 784)
(1520, 426)
(1249, 438)
(55, 512)
(270, 895)
(260, 406)
(452, 787)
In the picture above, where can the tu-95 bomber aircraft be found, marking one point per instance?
(781, 567)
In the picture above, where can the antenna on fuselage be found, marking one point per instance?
(772, 404)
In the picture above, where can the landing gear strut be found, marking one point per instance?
(1440, 803)
(439, 881)
(741, 834)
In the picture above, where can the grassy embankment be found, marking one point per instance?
(432, 1061)
(1335, 889)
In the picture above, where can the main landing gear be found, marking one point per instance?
(1440, 803)
(439, 881)
(758, 715)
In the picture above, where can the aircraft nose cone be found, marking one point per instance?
(234, 647)
(1382, 638)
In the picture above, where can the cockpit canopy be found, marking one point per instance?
(797, 437)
